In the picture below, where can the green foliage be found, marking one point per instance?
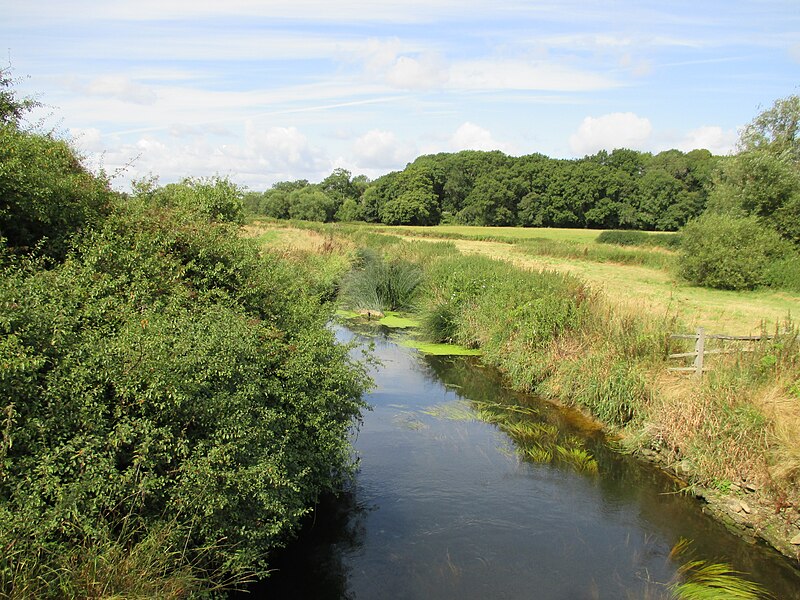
(46, 194)
(166, 373)
(728, 252)
(310, 204)
(624, 189)
(511, 315)
(784, 273)
(211, 198)
(12, 107)
(776, 129)
(764, 185)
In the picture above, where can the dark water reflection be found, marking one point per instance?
(445, 508)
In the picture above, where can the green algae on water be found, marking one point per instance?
(440, 349)
(394, 320)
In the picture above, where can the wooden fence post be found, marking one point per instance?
(699, 348)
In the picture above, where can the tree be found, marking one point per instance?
(12, 108)
(776, 129)
(764, 178)
(311, 204)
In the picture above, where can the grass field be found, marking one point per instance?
(638, 286)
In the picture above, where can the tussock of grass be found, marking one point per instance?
(703, 580)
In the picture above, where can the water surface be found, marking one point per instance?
(446, 507)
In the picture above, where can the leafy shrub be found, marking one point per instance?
(166, 373)
(47, 194)
(728, 252)
(784, 273)
(210, 198)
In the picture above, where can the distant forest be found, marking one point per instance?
(624, 189)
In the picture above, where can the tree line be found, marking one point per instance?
(738, 215)
(623, 189)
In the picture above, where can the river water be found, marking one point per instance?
(443, 506)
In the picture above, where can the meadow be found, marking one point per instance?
(642, 279)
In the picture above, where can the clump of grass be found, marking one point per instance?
(703, 580)
(130, 563)
(381, 284)
(613, 390)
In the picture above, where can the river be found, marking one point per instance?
(445, 506)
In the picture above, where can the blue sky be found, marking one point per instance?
(264, 91)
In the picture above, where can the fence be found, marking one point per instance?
(700, 351)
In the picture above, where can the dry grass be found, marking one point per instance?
(291, 240)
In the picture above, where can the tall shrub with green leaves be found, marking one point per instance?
(167, 372)
(729, 252)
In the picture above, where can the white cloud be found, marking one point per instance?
(88, 139)
(378, 149)
(473, 137)
(615, 130)
(416, 73)
(713, 138)
(117, 87)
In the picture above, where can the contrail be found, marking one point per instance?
(263, 114)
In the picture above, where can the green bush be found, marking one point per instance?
(167, 373)
(47, 194)
(728, 252)
(784, 273)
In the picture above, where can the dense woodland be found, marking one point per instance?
(624, 189)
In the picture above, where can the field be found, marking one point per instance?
(641, 287)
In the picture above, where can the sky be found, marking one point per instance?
(262, 91)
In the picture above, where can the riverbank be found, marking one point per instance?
(733, 437)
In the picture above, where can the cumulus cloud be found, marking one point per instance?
(87, 139)
(378, 149)
(280, 148)
(713, 138)
(470, 136)
(615, 130)
(402, 65)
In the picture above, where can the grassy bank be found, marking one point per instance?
(736, 432)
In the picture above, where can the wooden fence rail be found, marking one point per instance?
(700, 351)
